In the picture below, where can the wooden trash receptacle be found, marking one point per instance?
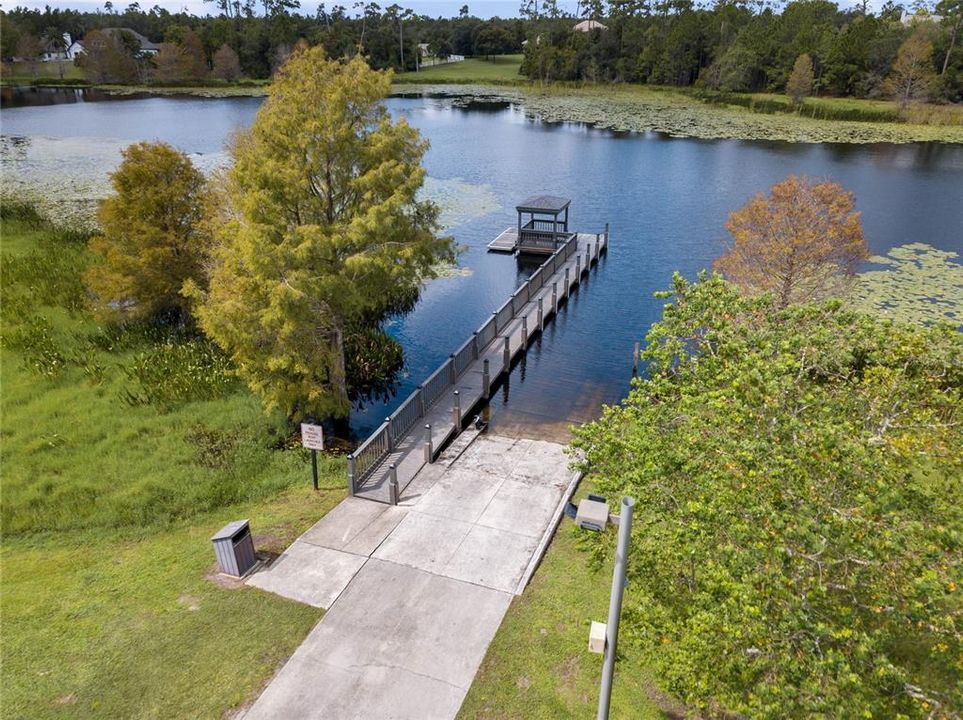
(234, 548)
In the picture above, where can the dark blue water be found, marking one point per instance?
(666, 201)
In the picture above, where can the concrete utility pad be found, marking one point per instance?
(400, 643)
(309, 573)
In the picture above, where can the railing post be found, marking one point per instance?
(525, 332)
(429, 450)
(451, 369)
(486, 380)
(507, 353)
(541, 316)
(597, 247)
(422, 405)
(388, 434)
(555, 297)
(456, 413)
(474, 345)
(588, 259)
(495, 321)
(393, 484)
(351, 474)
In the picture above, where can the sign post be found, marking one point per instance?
(312, 437)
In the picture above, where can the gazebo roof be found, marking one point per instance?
(543, 204)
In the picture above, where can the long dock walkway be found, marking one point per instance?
(383, 465)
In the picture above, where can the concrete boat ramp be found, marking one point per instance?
(415, 591)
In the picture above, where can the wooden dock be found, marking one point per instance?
(383, 465)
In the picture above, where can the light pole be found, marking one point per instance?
(615, 606)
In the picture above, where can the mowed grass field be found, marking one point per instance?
(539, 667)
(499, 69)
(111, 607)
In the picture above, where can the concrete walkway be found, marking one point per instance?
(416, 591)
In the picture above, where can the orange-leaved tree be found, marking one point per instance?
(801, 243)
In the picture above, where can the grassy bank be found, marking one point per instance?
(499, 69)
(539, 666)
(113, 482)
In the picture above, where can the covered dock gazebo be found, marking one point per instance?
(542, 223)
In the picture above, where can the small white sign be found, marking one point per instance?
(312, 436)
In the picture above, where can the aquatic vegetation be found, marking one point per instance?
(458, 200)
(633, 109)
(178, 372)
(921, 284)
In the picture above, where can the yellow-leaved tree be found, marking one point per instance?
(152, 238)
(802, 243)
(321, 232)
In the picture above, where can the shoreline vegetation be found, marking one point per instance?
(676, 112)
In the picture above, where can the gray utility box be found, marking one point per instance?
(234, 548)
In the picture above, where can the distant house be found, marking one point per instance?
(146, 46)
(920, 16)
(589, 25)
(75, 50)
(53, 50)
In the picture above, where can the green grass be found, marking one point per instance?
(500, 69)
(108, 602)
(539, 666)
(28, 73)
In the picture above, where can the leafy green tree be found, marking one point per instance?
(800, 83)
(152, 239)
(801, 243)
(322, 232)
(797, 546)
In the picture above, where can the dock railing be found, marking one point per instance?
(371, 453)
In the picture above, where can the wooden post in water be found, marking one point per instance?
(541, 316)
(456, 413)
(597, 251)
(606, 235)
(392, 484)
(635, 360)
(429, 450)
(486, 380)
(588, 259)
(508, 354)
(524, 332)
(555, 297)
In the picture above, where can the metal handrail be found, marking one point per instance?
(406, 415)
(437, 383)
(464, 356)
(371, 452)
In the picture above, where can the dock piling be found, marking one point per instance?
(578, 266)
(567, 285)
(555, 297)
(541, 316)
(456, 413)
(508, 354)
(388, 434)
(429, 450)
(351, 474)
(524, 333)
(486, 380)
(393, 484)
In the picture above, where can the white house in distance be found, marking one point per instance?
(147, 47)
(54, 51)
(589, 25)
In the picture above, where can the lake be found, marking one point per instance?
(666, 200)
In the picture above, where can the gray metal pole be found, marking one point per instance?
(615, 606)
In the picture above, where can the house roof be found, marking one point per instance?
(145, 44)
(587, 25)
(543, 204)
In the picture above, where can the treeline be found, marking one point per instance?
(238, 43)
(730, 46)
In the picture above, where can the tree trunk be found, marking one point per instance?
(949, 50)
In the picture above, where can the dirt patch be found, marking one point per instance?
(523, 683)
(66, 699)
(190, 602)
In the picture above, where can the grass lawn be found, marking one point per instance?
(110, 607)
(539, 666)
(498, 69)
(26, 73)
